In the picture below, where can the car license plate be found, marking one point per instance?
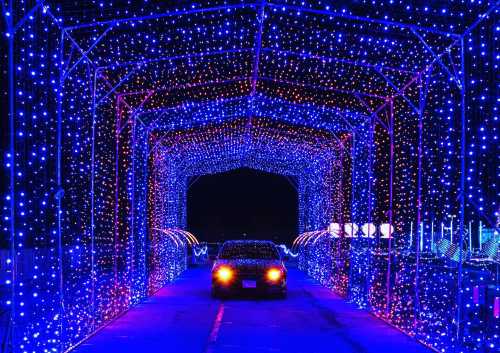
(249, 284)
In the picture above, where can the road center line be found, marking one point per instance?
(212, 338)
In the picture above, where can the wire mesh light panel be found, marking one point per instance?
(386, 111)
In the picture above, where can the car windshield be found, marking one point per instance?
(249, 251)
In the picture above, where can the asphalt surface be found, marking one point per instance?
(183, 318)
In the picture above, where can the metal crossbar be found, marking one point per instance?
(328, 13)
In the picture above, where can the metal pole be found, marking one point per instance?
(391, 175)
(470, 238)
(370, 171)
(432, 235)
(258, 47)
(117, 164)
(411, 235)
(12, 149)
(340, 193)
(147, 243)
(132, 211)
(177, 13)
(351, 239)
(480, 231)
(333, 14)
(419, 202)
(370, 200)
(462, 190)
(421, 236)
(92, 201)
(341, 199)
(451, 228)
(60, 191)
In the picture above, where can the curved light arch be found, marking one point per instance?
(320, 235)
(190, 238)
(178, 242)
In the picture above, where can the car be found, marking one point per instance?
(213, 250)
(246, 266)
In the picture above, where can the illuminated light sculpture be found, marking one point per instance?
(387, 230)
(393, 107)
(335, 230)
(368, 230)
(351, 230)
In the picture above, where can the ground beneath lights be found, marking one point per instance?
(183, 318)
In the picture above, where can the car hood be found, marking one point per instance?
(249, 264)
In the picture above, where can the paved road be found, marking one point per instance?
(183, 318)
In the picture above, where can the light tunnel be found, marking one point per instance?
(256, 144)
(385, 112)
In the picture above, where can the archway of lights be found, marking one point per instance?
(310, 156)
(386, 112)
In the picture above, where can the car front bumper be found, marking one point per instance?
(261, 286)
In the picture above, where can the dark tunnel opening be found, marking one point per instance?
(243, 203)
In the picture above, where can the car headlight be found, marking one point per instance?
(274, 274)
(224, 274)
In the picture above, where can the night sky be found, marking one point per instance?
(243, 203)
